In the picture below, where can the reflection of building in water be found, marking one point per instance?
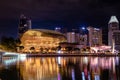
(47, 68)
(96, 66)
(68, 68)
(39, 69)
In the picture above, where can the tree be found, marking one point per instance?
(8, 43)
(69, 49)
(18, 42)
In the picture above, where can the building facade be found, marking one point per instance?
(24, 25)
(114, 33)
(41, 40)
(73, 37)
(94, 36)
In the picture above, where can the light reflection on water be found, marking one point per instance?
(60, 68)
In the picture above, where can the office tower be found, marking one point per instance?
(83, 40)
(94, 36)
(71, 37)
(114, 33)
(113, 25)
(24, 25)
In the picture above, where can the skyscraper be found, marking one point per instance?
(24, 25)
(95, 36)
(114, 33)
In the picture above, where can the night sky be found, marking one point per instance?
(51, 13)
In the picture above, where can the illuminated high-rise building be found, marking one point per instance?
(114, 33)
(24, 25)
(71, 37)
(95, 36)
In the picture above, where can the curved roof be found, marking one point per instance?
(45, 32)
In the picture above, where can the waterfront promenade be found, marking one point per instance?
(10, 54)
(67, 55)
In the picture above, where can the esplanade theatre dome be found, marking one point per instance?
(41, 39)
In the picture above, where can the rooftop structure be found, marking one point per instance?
(113, 19)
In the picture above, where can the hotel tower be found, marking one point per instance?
(114, 33)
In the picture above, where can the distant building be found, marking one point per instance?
(114, 33)
(83, 40)
(94, 36)
(71, 37)
(24, 25)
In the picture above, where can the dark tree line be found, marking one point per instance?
(9, 43)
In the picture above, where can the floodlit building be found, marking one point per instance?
(41, 39)
(94, 36)
(24, 25)
(73, 37)
(114, 33)
(83, 40)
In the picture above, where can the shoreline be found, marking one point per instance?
(72, 55)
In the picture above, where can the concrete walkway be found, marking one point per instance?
(71, 55)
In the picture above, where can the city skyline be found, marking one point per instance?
(50, 14)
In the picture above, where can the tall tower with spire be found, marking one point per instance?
(113, 32)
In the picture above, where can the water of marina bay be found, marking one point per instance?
(60, 68)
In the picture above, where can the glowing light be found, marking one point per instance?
(11, 54)
(8, 53)
(89, 76)
(97, 29)
(73, 74)
(22, 57)
(83, 76)
(10, 61)
(73, 33)
(59, 77)
(113, 19)
(85, 59)
(97, 77)
(83, 28)
(59, 60)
